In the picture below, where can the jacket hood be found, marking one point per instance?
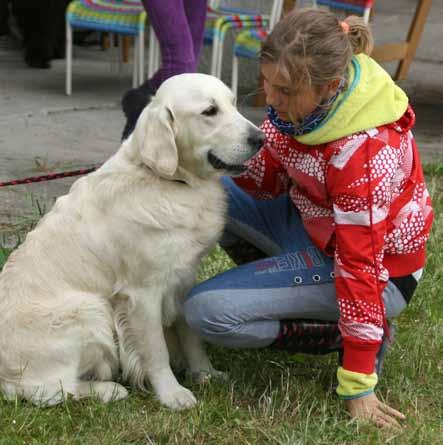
(371, 99)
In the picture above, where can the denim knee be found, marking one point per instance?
(204, 314)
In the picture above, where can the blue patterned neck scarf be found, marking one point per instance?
(309, 122)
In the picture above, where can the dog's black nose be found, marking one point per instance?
(256, 139)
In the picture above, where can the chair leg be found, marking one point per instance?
(68, 59)
(414, 35)
(214, 56)
(126, 42)
(367, 15)
(157, 55)
(234, 84)
(141, 56)
(151, 52)
(111, 54)
(105, 41)
(120, 54)
(135, 64)
(219, 59)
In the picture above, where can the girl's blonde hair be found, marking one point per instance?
(311, 47)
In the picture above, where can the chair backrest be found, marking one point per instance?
(115, 6)
(276, 12)
(270, 9)
(263, 7)
(361, 7)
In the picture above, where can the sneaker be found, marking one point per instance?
(309, 337)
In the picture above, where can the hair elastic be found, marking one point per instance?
(344, 26)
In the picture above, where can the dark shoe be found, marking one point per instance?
(36, 61)
(242, 252)
(133, 103)
(308, 337)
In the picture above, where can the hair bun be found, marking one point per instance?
(359, 35)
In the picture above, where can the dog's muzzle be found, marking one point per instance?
(256, 139)
(218, 164)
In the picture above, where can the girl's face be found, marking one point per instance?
(291, 105)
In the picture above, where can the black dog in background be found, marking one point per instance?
(42, 25)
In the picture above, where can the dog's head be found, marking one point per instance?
(192, 122)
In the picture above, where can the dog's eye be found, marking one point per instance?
(211, 111)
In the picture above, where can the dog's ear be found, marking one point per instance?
(155, 138)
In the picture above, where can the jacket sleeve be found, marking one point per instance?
(359, 178)
(265, 177)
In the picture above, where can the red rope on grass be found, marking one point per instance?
(48, 177)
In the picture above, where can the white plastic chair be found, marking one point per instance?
(225, 15)
(248, 42)
(126, 17)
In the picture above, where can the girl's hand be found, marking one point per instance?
(370, 408)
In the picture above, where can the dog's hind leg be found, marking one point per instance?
(176, 356)
(41, 386)
(53, 394)
(200, 367)
(40, 395)
(76, 340)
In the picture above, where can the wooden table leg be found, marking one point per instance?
(126, 40)
(414, 35)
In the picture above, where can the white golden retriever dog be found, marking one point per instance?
(97, 285)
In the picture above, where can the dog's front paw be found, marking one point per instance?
(219, 375)
(104, 391)
(203, 377)
(111, 392)
(177, 399)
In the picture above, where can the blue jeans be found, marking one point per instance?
(241, 308)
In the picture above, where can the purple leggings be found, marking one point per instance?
(179, 26)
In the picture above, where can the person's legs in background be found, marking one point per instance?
(4, 17)
(179, 27)
(196, 11)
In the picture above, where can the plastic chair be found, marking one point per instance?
(360, 7)
(225, 15)
(121, 17)
(248, 42)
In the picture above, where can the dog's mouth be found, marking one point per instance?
(218, 164)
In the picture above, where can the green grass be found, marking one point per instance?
(272, 398)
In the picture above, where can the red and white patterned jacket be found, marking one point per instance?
(353, 218)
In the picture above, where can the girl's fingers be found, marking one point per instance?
(387, 409)
(381, 422)
(386, 419)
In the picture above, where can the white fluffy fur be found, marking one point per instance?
(96, 285)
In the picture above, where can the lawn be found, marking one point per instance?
(271, 398)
